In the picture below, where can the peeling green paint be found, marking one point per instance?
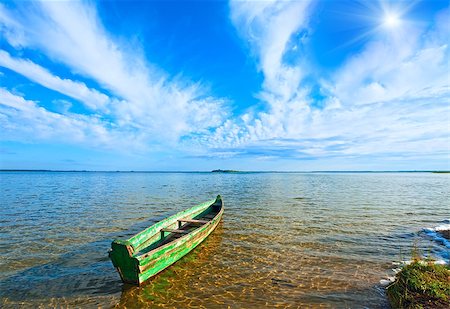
(144, 254)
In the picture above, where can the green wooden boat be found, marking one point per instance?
(162, 244)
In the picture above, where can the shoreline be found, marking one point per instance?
(421, 284)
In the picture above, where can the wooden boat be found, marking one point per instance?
(162, 244)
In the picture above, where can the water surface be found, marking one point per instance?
(286, 239)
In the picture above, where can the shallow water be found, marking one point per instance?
(286, 239)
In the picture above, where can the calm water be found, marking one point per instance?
(286, 240)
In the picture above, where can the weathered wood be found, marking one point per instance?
(174, 231)
(193, 221)
(147, 253)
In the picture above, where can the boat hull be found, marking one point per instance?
(140, 257)
(150, 266)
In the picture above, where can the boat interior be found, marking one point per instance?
(183, 226)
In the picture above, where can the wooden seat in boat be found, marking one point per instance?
(174, 231)
(193, 221)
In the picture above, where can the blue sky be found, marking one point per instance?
(249, 85)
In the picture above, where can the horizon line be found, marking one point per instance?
(225, 171)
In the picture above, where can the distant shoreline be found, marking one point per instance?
(221, 171)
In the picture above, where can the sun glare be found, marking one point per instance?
(391, 20)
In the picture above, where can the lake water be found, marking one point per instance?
(286, 239)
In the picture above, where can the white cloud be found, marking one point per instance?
(269, 26)
(92, 98)
(11, 29)
(25, 120)
(389, 99)
(393, 68)
(163, 109)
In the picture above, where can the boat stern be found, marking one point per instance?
(121, 255)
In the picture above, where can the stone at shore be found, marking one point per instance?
(445, 233)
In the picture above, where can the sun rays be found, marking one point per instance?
(377, 18)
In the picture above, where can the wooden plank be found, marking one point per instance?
(193, 221)
(150, 251)
(174, 231)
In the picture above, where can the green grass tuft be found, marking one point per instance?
(422, 284)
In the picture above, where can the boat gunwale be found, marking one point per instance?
(138, 239)
(142, 257)
(145, 267)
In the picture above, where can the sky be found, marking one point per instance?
(246, 85)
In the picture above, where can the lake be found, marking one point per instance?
(286, 239)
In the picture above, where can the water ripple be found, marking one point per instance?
(286, 240)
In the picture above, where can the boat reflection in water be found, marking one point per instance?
(174, 285)
(162, 244)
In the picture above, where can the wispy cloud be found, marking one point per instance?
(25, 120)
(272, 29)
(92, 98)
(269, 27)
(137, 95)
(409, 62)
(390, 98)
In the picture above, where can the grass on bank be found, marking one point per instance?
(421, 284)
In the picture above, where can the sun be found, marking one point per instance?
(391, 20)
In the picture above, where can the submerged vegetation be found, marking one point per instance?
(421, 284)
